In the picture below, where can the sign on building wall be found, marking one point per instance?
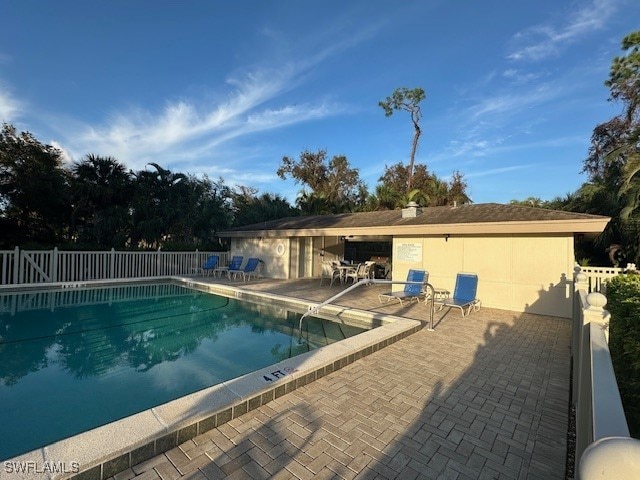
(409, 252)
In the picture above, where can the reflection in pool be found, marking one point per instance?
(71, 360)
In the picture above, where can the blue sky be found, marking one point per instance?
(514, 89)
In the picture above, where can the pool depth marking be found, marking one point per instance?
(278, 374)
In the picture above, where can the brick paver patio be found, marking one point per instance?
(485, 396)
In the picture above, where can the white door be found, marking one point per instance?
(305, 257)
(308, 263)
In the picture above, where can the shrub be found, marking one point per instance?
(623, 293)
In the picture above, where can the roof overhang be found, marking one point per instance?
(582, 225)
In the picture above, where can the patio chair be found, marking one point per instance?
(249, 270)
(412, 291)
(210, 264)
(464, 294)
(234, 265)
(329, 271)
(352, 273)
(361, 272)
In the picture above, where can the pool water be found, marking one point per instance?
(69, 367)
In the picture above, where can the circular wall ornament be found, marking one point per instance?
(280, 249)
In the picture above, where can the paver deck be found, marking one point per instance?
(485, 396)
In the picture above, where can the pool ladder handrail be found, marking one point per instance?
(368, 281)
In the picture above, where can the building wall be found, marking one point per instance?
(275, 253)
(529, 273)
(516, 272)
(284, 262)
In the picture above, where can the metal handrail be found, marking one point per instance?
(367, 281)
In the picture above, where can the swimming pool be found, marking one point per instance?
(76, 358)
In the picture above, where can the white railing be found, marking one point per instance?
(598, 276)
(604, 448)
(40, 299)
(313, 309)
(45, 266)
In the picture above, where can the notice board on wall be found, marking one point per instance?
(409, 252)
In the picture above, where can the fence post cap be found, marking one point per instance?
(611, 458)
(596, 300)
(581, 277)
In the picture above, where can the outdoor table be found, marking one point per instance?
(440, 293)
(221, 270)
(344, 269)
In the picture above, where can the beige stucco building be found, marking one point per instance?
(524, 256)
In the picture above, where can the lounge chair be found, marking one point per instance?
(249, 270)
(235, 264)
(412, 291)
(464, 294)
(329, 271)
(210, 264)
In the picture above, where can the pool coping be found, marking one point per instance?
(104, 451)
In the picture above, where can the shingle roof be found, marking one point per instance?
(431, 217)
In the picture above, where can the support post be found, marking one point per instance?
(53, 276)
(16, 265)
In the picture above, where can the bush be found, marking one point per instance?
(623, 293)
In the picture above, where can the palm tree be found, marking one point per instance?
(101, 194)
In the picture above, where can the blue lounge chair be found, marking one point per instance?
(412, 291)
(249, 270)
(464, 294)
(210, 264)
(235, 263)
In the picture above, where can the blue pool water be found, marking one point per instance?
(76, 359)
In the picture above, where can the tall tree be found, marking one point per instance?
(457, 189)
(428, 190)
(206, 210)
(409, 101)
(529, 202)
(250, 208)
(174, 210)
(101, 197)
(333, 183)
(34, 190)
(613, 163)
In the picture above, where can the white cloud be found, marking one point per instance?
(513, 102)
(65, 156)
(543, 41)
(9, 107)
(497, 171)
(183, 130)
(519, 77)
(189, 129)
(473, 147)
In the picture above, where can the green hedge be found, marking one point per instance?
(623, 295)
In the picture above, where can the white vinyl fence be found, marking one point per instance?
(32, 299)
(604, 449)
(598, 276)
(45, 266)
